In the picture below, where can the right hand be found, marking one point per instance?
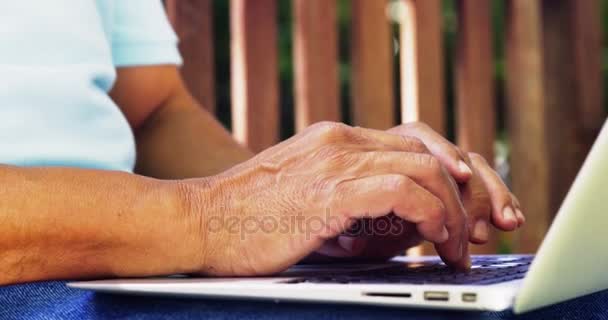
(264, 215)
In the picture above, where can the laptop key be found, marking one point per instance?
(490, 271)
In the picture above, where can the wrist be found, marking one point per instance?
(163, 236)
(198, 201)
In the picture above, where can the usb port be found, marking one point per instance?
(436, 296)
(469, 297)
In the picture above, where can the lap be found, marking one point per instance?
(46, 300)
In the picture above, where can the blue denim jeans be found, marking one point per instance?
(53, 300)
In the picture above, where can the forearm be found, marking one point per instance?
(72, 223)
(182, 140)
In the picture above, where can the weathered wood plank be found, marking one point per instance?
(566, 142)
(526, 111)
(315, 62)
(372, 65)
(474, 65)
(422, 71)
(422, 80)
(474, 71)
(254, 72)
(545, 118)
(588, 52)
(193, 23)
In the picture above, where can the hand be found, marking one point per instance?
(485, 198)
(268, 213)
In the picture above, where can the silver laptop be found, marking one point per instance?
(571, 262)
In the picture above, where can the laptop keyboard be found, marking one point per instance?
(485, 270)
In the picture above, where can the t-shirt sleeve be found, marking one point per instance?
(142, 34)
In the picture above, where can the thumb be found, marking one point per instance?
(343, 247)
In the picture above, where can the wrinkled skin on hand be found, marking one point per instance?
(319, 184)
(486, 199)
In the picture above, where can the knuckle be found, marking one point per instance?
(330, 131)
(322, 125)
(455, 151)
(461, 153)
(476, 157)
(355, 135)
(417, 125)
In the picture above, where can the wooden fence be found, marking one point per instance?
(553, 88)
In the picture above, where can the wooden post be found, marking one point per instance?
(588, 54)
(476, 129)
(563, 115)
(422, 73)
(193, 23)
(422, 81)
(526, 110)
(545, 117)
(372, 65)
(315, 62)
(475, 78)
(255, 110)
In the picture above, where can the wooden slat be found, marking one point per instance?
(474, 64)
(315, 62)
(372, 65)
(254, 72)
(422, 81)
(475, 78)
(526, 110)
(544, 114)
(563, 114)
(588, 52)
(193, 23)
(422, 74)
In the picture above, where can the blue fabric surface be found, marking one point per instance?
(53, 300)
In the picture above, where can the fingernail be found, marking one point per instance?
(520, 216)
(444, 235)
(467, 263)
(508, 214)
(464, 168)
(480, 230)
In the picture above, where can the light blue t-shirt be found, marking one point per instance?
(57, 64)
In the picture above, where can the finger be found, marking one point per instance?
(343, 247)
(378, 140)
(449, 154)
(503, 209)
(478, 206)
(373, 240)
(379, 195)
(428, 172)
(385, 237)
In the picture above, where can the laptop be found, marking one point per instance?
(571, 262)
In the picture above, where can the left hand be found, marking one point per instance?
(486, 199)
